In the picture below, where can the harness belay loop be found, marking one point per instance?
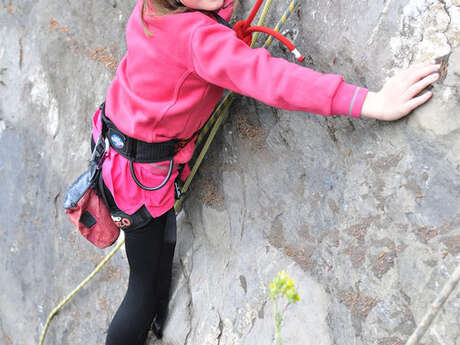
(244, 31)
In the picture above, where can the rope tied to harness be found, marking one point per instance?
(244, 31)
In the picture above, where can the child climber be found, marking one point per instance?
(179, 60)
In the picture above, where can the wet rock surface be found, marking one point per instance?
(363, 215)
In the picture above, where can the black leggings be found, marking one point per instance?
(150, 252)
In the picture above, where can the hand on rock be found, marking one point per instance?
(400, 94)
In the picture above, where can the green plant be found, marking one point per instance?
(282, 286)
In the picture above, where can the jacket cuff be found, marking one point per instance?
(348, 100)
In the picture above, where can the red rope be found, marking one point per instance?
(254, 11)
(244, 31)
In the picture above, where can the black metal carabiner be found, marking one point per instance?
(133, 174)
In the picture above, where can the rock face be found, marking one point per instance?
(363, 215)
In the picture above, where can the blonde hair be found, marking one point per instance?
(161, 8)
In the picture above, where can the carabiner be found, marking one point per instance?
(133, 174)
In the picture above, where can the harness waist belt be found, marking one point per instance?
(136, 150)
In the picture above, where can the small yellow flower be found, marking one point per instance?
(283, 285)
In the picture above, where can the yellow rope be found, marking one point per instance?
(215, 121)
(212, 119)
(81, 285)
(283, 19)
(221, 113)
(261, 20)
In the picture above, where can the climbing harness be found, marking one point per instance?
(86, 203)
(138, 151)
(212, 126)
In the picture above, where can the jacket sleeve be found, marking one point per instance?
(219, 57)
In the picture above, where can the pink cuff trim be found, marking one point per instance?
(348, 100)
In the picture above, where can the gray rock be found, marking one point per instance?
(363, 215)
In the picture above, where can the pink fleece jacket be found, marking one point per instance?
(166, 86)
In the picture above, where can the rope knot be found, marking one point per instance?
(242, 31)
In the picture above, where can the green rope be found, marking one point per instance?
(221, 113)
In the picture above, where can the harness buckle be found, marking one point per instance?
(100, 150)
(179, 184)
